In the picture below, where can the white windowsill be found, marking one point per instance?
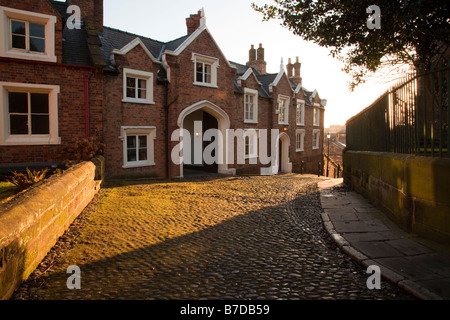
(138, 165)
(29, 141)
(202, 84)
(140, 101)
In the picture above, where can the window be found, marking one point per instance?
(137, 86)
(250, 106)
(251, 144)
(27, 35)
(316, 139)
(316, 120)
(205, 70)
(28, 114)
(283, 110)
(299, 140)
(300, 114)
(138, 146)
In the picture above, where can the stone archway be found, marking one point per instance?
(285, 166)
(223, 123)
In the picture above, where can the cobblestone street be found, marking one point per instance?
(216, 238)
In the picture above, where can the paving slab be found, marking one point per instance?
(440, 286)
(359, 226)
(407, 269)
(365, 236)
(416, 265)
(437, 262)
(408, 247)
(377, 249)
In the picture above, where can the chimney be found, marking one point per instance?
(194, 22)
(260, 53)
(91, 12)
(290, 68)
(256, 59)
(294, 71)
(252, 54)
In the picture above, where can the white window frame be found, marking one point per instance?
(317, 144)
(316, 115)
(300, 108)
(300, 132)
(287, 101)
(252, 135)
(150, 132)
(7, 139)
(6, 50)
(138, 74)
(214, 62)
(254, 94)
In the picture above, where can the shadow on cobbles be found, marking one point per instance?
(277, 252)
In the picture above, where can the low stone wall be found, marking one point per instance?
(413, 191)
(31, 223)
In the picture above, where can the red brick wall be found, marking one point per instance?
(71, 119)
(118, 113)
(71, 106)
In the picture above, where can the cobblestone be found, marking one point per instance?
(221, 238)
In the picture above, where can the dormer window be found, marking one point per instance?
(283, 109)
(300, 113)
(27, 35)
(205, 70)
(203, 73)
(316, 116)
(250, 106)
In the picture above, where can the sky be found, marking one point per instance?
(235, 26)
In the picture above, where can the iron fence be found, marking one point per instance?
(412, 117)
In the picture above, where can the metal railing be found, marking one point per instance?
(412, 117)
(331, 168)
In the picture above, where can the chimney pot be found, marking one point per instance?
(256, 59)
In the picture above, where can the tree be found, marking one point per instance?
(413, 32)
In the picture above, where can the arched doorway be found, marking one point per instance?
(285, 166)
(211, 117)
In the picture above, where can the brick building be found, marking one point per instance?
(140, 91)
(51, 84)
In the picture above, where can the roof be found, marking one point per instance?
(241, 69)
(114, 39)
(266, 80)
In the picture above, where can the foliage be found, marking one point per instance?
(414, 32)
(7, 189)
(25, 180)
(81, 149)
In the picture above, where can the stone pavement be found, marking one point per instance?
(362, 231)
(241, 238)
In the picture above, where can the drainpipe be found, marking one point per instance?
(86, 105)
(166, 108)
